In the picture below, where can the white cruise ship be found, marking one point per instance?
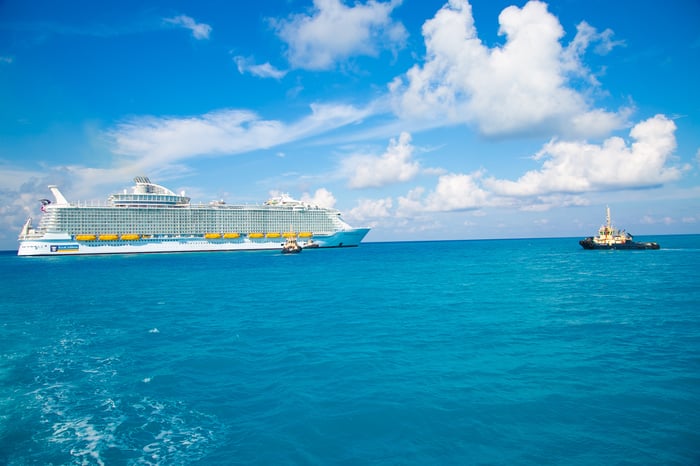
(152, 218)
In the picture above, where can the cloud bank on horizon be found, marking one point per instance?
(531, 85)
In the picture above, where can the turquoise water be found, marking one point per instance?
(521, 352)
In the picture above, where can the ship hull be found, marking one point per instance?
(65, 245)
(588, 243)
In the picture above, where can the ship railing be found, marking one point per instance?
(32, 234)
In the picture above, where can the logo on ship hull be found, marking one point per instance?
(64, 247)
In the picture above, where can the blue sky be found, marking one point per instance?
(422, 119)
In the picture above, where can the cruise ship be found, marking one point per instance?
(151, 218)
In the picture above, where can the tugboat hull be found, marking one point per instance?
(588, 243)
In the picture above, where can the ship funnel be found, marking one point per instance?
(60, 200)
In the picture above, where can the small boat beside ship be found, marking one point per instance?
(612, 238)
(291, 246)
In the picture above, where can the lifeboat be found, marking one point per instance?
(289, 234)
(212, 235)
(130, 237)
(305, 234)
(108, 237)
(85, 237)
(255, 235)
(273, 235)
(231, 235)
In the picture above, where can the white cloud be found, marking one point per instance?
(649, 220)
(172, 138)
(21, 189)
(394, 166)
(334, 32)
(585, 36)
(455, 191)
(569, 169)
(578, 167)
(524, 85)
(547, 202)
(266, 70)
(322, 198)
(155, 141)
(371, 209)
(6, 60)
(199, 30)
(18, 200)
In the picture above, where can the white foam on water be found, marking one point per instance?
(109, 404)
(158, 431)
(83, 408)
(86, 439)
(175, 434)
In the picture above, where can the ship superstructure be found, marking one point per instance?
(152, 218)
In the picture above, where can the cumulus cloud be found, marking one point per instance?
(199, 31)
(18, 199)
(265, 70)
(394, 166)
(156, 141)
(21, 189)
(569, 170)
(525, 85)
(371, 209)
(322, 198)
(578, 167)
(587, 35)
(333, 32)
(453, 192)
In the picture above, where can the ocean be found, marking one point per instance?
(527, 352)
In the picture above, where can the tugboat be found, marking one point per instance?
(310, 244)
(291, 246)
(610, 238)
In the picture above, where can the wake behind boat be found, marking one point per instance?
(152, 218)
(611, 238)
